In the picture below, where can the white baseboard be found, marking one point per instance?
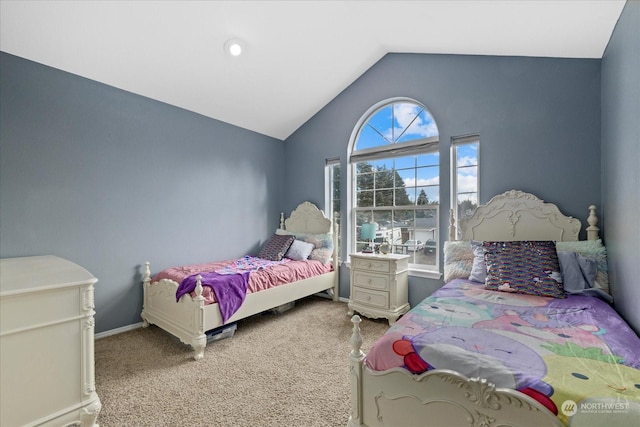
(127, 328)
(117, 330)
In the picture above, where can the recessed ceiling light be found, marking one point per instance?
(233, 47)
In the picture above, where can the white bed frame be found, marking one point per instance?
(397, 398)
(190, 318)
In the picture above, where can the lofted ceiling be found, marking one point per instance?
(298, 55)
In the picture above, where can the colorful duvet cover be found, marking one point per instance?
(575, 355)
(263, 274)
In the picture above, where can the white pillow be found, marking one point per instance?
(299, 250)
(479, 268)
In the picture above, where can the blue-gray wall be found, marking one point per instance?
(621, 161)
(538, 120)
(109, 179)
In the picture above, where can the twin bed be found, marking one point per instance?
(521, 334)
(179, 301)
(489, 352)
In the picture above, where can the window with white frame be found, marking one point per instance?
(465, 158)
(332, 190)
(395, 181)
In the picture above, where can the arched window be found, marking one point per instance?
(395, 181)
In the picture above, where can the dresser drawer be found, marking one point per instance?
(371, 281)
(370, 297)
(39, 309)
(376, 265)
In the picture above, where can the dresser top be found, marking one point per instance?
(380, 256)
(30, 274)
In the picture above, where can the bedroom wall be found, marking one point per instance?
(538, 120)
(621, 160)
(109, 179)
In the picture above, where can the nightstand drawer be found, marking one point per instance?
(371, 265)
(371, 281)
(370, 297)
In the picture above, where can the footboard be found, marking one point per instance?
(397, 398)
(184, 319)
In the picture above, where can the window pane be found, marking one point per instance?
(430, 159)
(406, 196)
(467, 204)
(400, 192)
(431, 194)
(412, 122)
(466, 176)
(405, 162)
(365, 181)
(384, 198)
(408, 177)
(370, 138)
(382, 164)
(384, 179)
(365, 199)
(467, 154)
(428, 176)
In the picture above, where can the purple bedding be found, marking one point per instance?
(558, 351)
(229, 281)
(230, 290)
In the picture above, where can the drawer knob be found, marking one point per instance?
(369, 298)
(370, 265)
(369, 281)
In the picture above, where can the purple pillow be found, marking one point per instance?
(526, 267)
(275, 248)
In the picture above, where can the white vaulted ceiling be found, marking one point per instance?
(298, 54)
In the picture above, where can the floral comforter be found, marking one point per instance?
(575, 355)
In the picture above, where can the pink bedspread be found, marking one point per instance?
(276, 274)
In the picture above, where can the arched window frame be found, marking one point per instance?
(429, 145)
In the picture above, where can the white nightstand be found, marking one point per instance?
(379, 285)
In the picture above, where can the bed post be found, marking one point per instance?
(336, 260)
(452, 226)
(146, 281)
(282, 221)
(357, 360)
(592, 220)
(199, 341)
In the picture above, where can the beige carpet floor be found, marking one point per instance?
(289, 369)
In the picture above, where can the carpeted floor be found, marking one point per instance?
(289, 369)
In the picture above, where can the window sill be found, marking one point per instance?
(427, 274)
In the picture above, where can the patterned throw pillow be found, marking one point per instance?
(458, 259)
(275, 248)
(527, 267)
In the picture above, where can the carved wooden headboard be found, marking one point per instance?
(306, 218)
(516, 215)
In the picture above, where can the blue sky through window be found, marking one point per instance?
(396, 123)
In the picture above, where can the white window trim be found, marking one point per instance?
(328, 191)
(351, 194)
(455, 142)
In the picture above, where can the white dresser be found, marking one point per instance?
(379, 285)
(46, 343)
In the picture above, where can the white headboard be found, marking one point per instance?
(306, 218)
(516, 215)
